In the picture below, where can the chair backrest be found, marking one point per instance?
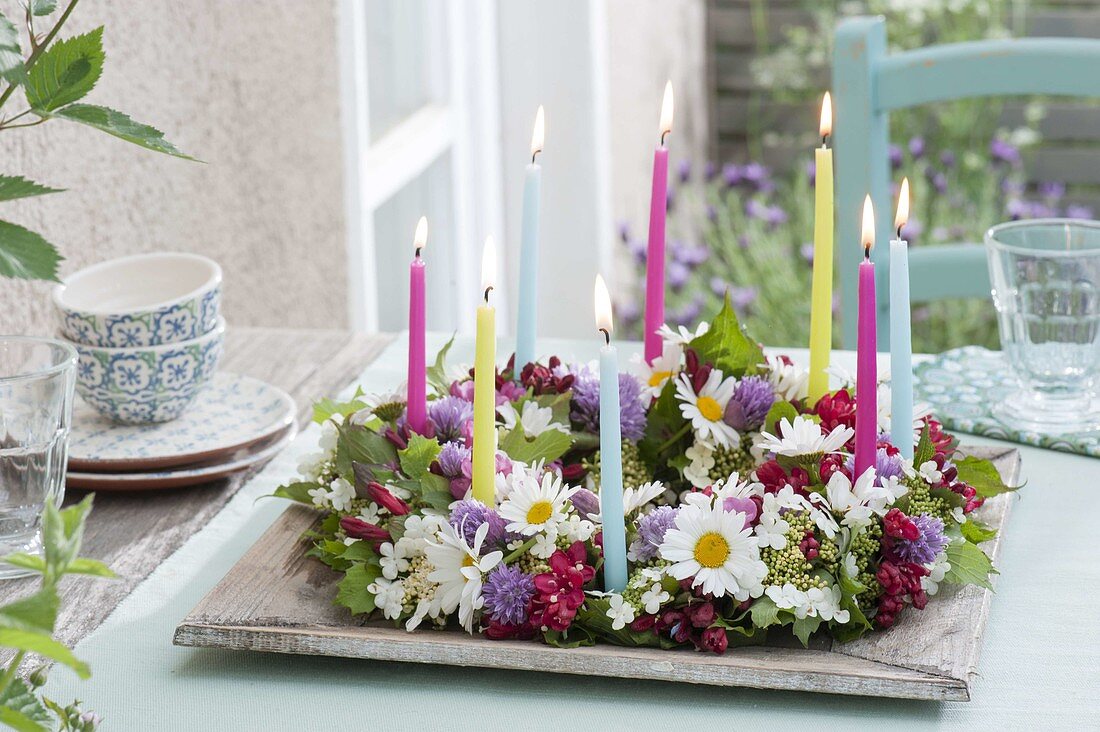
(868, 83)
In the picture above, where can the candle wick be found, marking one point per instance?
(534, 154)
(606, 335)
(418, 252)
(487, 291)
(824, 141)
(664, 134)
(899, 231)
(866, 253)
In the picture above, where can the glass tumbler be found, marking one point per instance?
(1046, 288)
(36, 405)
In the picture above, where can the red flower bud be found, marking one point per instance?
(357, 528)
(386, 500)
(714, 639)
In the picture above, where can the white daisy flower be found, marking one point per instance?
(636, 498)
(654, 598)
(533, 419)
(697, 472)
(536, 506)
(620, 612)
(459, 571)
(790, 381)
(423, 609)
(682, 336)
(654, 376)
(341, 494)
(388, 596)
(380, 401)
(803, 437)
(706, 408)
(715, 549)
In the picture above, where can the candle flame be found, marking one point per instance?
(488, 266)
(603, 306)
(868, 236)
(666, 111)
(826, 127)
(902, 215)
(539, 133)
(420, 238)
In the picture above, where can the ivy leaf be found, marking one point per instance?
(435, 490)
(969, 565)
(924, 450)
(121, 126)
(16, 186)
(764, 612)
(324, 409)
(727, 346)
(21, 710)
(11, 55)
(353, 593)
(296, 492)
(976, 532)
(66, 72)
(37, 613)
(26, 255)
(437, 372)
(418, 456)
(803, 628)
(982, 476)
(780, 409)
(42, 644)
(42, 7)
(548, 446)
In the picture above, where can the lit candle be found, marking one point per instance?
(527, 324)
(821, 310)
(485, 386)
(901, 337)
(611, 447)
(866, 352)
(417, 415)
(655, 257)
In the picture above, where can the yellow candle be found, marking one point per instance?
(821, 309)
(485, 387)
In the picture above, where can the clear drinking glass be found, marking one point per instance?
(36, 405)
(1046, 288)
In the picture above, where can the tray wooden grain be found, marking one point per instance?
(277, 600)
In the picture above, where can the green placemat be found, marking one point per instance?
(962, 386)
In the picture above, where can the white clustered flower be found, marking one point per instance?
(388, 596)
(930, 583)
(654, 598)
(532, 418)
(620, 612)
(341, 494)
(393, 558)
(545, 545)
(930, 473)
(859, 502)
(697, 472)
(576, 529)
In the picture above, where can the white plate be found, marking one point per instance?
(231, 412)
(243, 459)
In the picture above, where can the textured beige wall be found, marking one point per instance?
(249, 86)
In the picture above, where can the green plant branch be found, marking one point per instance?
(39, 48)
(38, 121)
(9, 673)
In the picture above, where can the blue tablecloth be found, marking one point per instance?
(1040, 665)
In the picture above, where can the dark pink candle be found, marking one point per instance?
(417, 415)
(866, 353)
(655, 256)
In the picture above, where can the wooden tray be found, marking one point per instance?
(276, 600)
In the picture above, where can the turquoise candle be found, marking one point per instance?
(527, 323)
(901, 336)
(611, 457)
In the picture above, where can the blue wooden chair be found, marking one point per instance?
(868, 83)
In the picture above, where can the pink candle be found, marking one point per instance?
(866, 353)
(417, 414)
(655, 257)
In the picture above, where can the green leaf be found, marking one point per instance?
(764, 612)
(418, 456)
(435, 491)
(969, 565)
(982, 476)
(353, 592)
(976, 532)
(42, 7)
(437, 372)
(803, 628)
(324, 409)
(11, 55)
(296, 492)
(93, 567)
(16, 186)
(360, 445)
(781, 409)
(62, 533)
(66, 72)
(26, 255)
(37, 613)
(925, 450)
(121, 126)
(548, 446)
(45, 646)
(727, 346)
(26, 561)
(21, 710)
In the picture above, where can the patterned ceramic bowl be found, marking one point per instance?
(141, 300)
(147, 384)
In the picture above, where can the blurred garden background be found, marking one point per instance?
(741, 220)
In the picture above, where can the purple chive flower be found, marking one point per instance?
(1042, 211)
(742, 297)
(1013, 187)
(1016, 208)
(670, 198)
(947, 159)
(624, 231)
(754, 209)
(775, 215)
(586, 403)
(506, 592)
(710, 170)
(1004, 152)
(755, 173)
(888, 466)
(1052, 191)
(731, 174)
(1075, 211)
(719, 286)
(807, 252)
(912, 230)
(811, 172)
(689, 313)
(631, 408)
(638, 249)
(916, 147)
(468, 516)
(692, 256)
(895, 156)
(683, 171)
(451, 459)
(749, 404)
(651, 532)
(629, 311)
(586, 502)
(939, 182)
(677, 274)
(931, 542)
(712, 213)
(448, 415)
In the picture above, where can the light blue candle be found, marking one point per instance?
(611, 453)
(527, 323)
(901, 336)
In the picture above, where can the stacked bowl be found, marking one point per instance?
(148, 330)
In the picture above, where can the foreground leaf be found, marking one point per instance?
(353, 593)
(982, 476)
(969, 565)
(121, 126)
(93, 567)
(296, 492)
(803, 628)
(36, 613)
(26, 561)
(16, 186)
(11, 55)
(548, 446)
(66, 72)
(43, 645)
(63, 533)
(26, 255)
(324, 409)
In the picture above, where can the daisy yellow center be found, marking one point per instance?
(467, 561)
(712, 550)
(659, 377)
(709, 408)
(539, 512)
